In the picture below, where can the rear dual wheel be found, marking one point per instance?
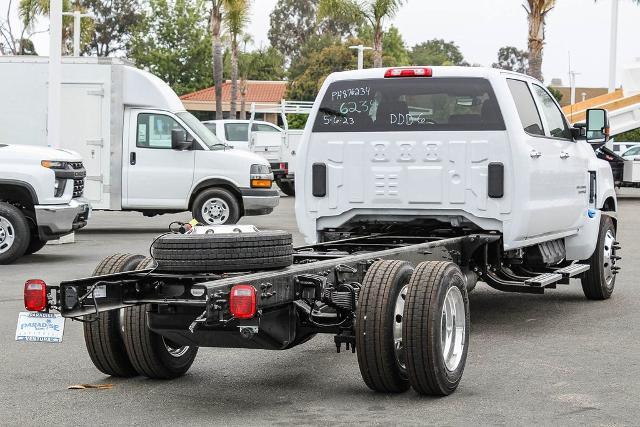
(120, 343)
(412, 327)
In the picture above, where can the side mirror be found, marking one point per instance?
(597, 126)
(179, 140)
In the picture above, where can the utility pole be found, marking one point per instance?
(613, 46)
(572, 84)
(361, 50)
(77, 16)
(55, 56)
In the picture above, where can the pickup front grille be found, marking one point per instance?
(78, 187)
(76, 165)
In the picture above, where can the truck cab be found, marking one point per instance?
(465, 147)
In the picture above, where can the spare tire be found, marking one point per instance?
(213, 253)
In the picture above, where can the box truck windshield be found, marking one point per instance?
(409, 104)
(202, 131)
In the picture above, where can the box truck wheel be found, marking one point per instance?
(598, 282)
(381, 355)
(436, 327)
(14, 233)
(216, 206)
(102, 334)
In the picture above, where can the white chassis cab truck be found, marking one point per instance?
(40, 198)
(413, 184)
(142, 151)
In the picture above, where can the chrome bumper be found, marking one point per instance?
(57, 220)
(259, 201)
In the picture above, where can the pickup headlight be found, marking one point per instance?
(53, 164)
(261, 176)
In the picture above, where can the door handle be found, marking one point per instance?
(535, 154)
(564, 155)
(132, 158)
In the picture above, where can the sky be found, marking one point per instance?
(576, 28)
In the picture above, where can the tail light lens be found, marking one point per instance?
(409, 72)
(242, 302)
(35, 295)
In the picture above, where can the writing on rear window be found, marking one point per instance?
(409, 104)
(350, 92)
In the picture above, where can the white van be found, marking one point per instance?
(142, 151)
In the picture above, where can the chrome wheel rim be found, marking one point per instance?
(173, 349)
(453, 325)
(398, 346)
(7, 235)
(215, 211)
(607, 260)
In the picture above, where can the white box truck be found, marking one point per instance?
(141, 149)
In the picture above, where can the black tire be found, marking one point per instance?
(219, 194)
(103, 337)
(223, 252)
(14, 233)
(422, 328)
(379, 366)
(35, 244)
(595, 282)
(287, 187)
(147, 350)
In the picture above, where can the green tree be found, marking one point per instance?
(556, 93)
(372, 12)
(537, 11)
(307, 51)
(394, 50)
(172, 41)
(30, 10)
(294, 22)
(236, 19)
(512, 59)
(630, 136)
(113, 25)
(437, 52)
(318, 65)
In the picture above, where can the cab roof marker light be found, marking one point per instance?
(409, 72)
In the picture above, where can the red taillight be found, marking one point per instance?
(35, 295)
(242, 302)
(409, 72)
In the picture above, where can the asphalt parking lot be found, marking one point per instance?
(534, 359)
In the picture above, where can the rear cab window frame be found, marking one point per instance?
(366, 93)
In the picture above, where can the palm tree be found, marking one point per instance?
(373, 12)
(244, 70)
(30, 10)
(236, 18)
(217, 10)
(536, 15)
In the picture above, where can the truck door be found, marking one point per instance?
(155, 176)
(572, 187)
(552, 199)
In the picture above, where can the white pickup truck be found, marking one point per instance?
(413, 184)
(40, 198)
(142, 151)
(265, 139)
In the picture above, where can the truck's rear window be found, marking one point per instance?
(409, 104)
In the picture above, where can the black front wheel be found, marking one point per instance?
(14, 233)
(287, 187)
(216, 206)
(598, 282)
